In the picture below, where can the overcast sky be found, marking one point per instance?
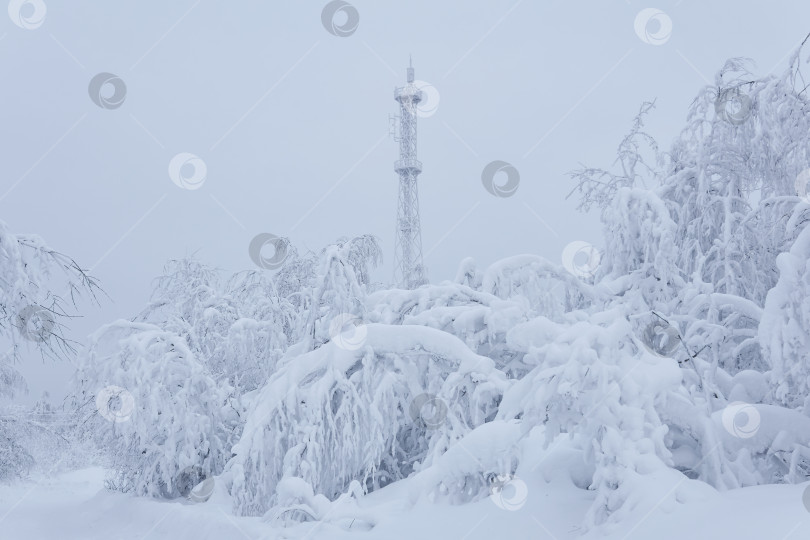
(291, 123)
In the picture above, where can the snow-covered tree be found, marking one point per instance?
(32, 308)
(155, 408)
(33, 314)
(695, 241)
(238, 328)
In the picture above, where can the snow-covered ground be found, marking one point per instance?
(75, 506)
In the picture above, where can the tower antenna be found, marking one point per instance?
(409, 272)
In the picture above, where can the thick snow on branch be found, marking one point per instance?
(342, 413)
(37, 287)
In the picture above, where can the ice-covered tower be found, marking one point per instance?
(409, 272)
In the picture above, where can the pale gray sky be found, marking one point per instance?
(292, 123)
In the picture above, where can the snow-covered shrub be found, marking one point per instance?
(153, 406)
(543, 288)
(340, 414)
(479, 319)
(785, 328)
(593, 382)
(339, 286)
(468, 274)
(238, 329)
